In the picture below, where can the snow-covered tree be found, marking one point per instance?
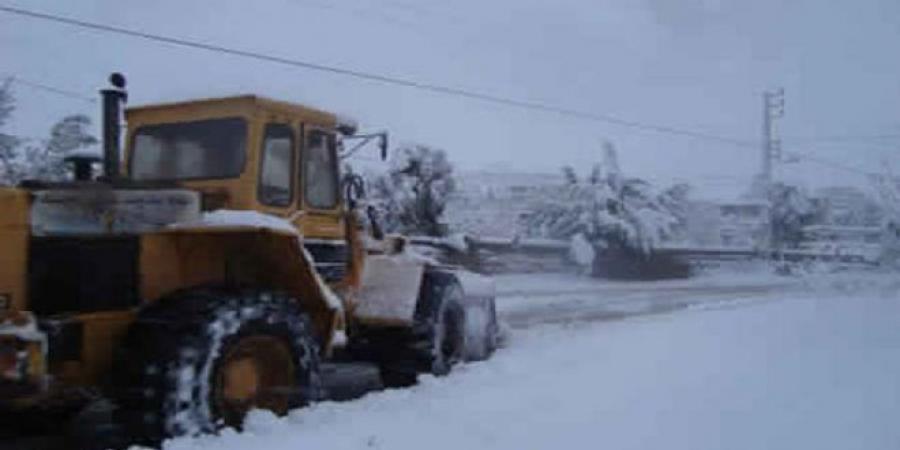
(46, 162)
(792, 210)
(21, 159)
(675, 199)
(412, 196)
(609, 209)
(9, 144)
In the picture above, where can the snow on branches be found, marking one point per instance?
(23, 159)
(610, 210)
(413, 194)
(792, 210)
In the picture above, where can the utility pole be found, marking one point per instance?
(773, 108)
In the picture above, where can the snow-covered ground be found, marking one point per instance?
(742, 362)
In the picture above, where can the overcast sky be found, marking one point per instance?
(694, 64)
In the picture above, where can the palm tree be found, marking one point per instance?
(608, 209)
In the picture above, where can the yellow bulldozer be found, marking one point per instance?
(213, 267)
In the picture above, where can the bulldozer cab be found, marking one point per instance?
(245, 153)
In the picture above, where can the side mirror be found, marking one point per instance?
(364, 139)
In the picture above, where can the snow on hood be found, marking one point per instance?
(412, 254)
(385, 246)
(475, 285)
(225, 218)
(457, 242)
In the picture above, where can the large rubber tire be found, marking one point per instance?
(435, 343)
(440, 324)
(199, 360)
(482, 330)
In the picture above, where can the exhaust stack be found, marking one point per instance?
(113, 99)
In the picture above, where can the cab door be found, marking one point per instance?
(320, 196)
(276, 190)
(321, 215)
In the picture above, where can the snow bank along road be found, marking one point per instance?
(794, 365)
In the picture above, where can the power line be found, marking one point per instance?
(47, 88)
(384, 79)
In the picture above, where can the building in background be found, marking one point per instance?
(744, 223)
(491, 203)
(849, 206)
(728, 223)
(844, 240)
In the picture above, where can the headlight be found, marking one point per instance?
(22, 349)
(14, 359)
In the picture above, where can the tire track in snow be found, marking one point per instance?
(562, 306)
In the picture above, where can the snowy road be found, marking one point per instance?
(525, 301)
(744, 363)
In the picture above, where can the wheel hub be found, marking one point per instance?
(241, 380)
(256, 372)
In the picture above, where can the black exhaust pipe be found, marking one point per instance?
(113, 99)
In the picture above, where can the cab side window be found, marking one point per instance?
(275, 174)
(320, 177)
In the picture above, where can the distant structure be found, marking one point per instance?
(844, 240)
(492, 203)
(744, 223)
(728, 223)
(852, 223)
(849, 206)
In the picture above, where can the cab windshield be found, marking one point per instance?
(189, 150)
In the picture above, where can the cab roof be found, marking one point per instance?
(247, 101)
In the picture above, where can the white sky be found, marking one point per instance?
(696, 64)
